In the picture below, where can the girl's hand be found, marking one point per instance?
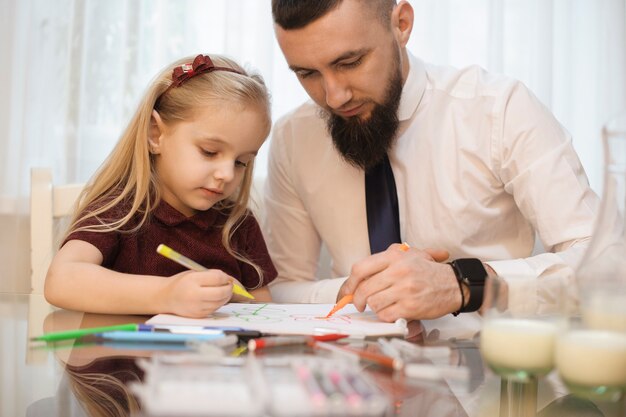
(197, 294)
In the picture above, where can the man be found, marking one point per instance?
(479, 166)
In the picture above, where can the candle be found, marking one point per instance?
(511, 345)
(605, 310)
(592, 358)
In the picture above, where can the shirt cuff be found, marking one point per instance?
(537, 284)
(316, 292)
(521, 281)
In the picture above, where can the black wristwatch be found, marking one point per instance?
(471, 272)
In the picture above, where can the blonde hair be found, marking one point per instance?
(104, 395)
(127, 176)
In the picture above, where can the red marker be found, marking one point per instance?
(264, 342)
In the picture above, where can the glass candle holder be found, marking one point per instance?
(592, 362)
(518, 342)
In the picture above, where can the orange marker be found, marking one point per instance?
(378, 358)
(347, 299)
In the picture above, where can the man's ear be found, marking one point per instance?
(155, 132)
(402, 22)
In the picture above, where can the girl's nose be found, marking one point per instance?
(225, 171)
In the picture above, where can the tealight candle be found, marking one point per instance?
(605, 311)
(512, 345)
(592, 358)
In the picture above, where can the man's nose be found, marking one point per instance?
(337, 91)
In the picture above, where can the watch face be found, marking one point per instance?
(472, 270)
(473, 273)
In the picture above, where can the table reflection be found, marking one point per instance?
(79, 378)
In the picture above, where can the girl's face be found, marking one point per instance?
(202, 160)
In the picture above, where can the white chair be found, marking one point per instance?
(47, 203)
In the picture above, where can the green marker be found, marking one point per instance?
(75, 334)
(171, 254)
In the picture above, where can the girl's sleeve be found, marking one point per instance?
(106, 242)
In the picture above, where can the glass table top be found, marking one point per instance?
(88, 378)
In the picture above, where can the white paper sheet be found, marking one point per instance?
(304, 319)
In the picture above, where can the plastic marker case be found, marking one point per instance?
(282, 387)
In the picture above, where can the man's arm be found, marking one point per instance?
(534, 159)
(538, 165)
(291, 236)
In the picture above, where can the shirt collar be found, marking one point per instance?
(413, 89)
(169, 216)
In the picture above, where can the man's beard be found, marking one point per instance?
(363, 143)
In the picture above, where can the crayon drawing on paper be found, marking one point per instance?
(290, 319)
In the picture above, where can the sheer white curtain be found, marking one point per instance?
(571, 53)
(73, 70)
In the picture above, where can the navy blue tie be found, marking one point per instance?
(381, 202)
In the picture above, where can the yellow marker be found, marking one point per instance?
(238, 351)
(171, 254)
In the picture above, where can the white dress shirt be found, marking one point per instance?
(480, 165)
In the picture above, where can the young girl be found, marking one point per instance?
(180, 175)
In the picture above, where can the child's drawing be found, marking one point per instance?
(290, 319)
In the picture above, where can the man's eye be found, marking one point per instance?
(351, 64)
(304, 74)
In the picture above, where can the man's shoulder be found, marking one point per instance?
(469, 82)
(306, 113)
(303, 126)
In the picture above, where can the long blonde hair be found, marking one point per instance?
(127, 176)
(103, 394)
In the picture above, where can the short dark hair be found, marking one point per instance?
(296, 14)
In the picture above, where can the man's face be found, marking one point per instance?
(349, 64)
(363, 141)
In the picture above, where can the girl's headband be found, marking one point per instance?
(200, 65)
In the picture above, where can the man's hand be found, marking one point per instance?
(437, 255)
(409, 284)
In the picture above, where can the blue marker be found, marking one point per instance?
(158, 337)
(183, 328)
(242, 333)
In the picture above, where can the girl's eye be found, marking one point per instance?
(241, 164)
(207, 153)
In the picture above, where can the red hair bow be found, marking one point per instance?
(200, 65)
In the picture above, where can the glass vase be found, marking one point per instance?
(591, 355)
(601, 275)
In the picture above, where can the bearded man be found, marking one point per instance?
(459, 164)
